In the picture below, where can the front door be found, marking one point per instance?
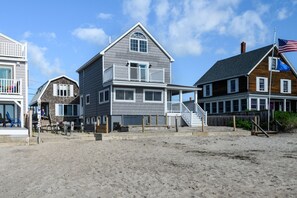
(138, 71)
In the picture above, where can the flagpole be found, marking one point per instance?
(270, 82)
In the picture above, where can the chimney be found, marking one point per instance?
(242, 47)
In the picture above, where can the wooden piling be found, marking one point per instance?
(234, 123)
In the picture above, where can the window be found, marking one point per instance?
(207, 90)
(254, 104)
(207, 107)
(87, 120)
(262, 104)
(235, 105)
(232, 85)
(214, 107)
(104, 96)
(221, 107)
(152, 96)
(88, 99)
(228, 106)
(124, 95)
(272, 64)
(243, 104)
(5, 72)
(138, 42)
(262, 84)
(63, 90)
(285, 86)
(66, 110)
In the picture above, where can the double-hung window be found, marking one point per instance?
(262, 84)
(138, 42)
(124, 95)
(63, 90)
(285, 86)
(272, 63)
(207, 90)
(153, 96)
(66, 110)
(233, 85)
(104, 96)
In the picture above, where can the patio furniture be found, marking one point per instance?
(13, 121)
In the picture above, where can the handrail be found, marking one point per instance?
(201, 113)
(10, 86)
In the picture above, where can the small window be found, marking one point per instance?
(214, 107)
(207, 107)
(243, 104)
(124, 95)
(262, 104)
(262, 84)
(207, 90)
(138, 42)
(152, 96)
(87, 120)
(63, 90)
(221, 107)
(285, 86)
(254, 104)
(88, 99)
(104, 96)
(235, 105)
(233, 85)
(272, 64)
(228, 106)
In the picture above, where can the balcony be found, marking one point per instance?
(12, 50)
(135, 74)
(11, 86)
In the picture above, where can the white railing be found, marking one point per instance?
(173, 107)
(12, 50)
(201, 113)
(135, 74)
(10, 86)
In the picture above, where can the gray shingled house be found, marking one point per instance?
(241, 83)
(59, 100)
(131, 78)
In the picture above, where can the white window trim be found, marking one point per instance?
(270, 64)
(138, 43)
(152, 90)
(289, 86)
(103, 91)
(236, 85)
(258, 104)
(139, 63)
(57, 113)
(87, 120)
(210, 90)
(87, 103)
(10, 66)
(258, 84)
(128, 89)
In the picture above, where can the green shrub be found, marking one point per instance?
(287, 119)
(240, 123)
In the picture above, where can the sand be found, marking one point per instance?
(153, 167)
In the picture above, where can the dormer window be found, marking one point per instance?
(138, 42)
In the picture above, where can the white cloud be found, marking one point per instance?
(48, 35)
(283, 13)
(37, 59)
(137, 10)
(27, 34)
(162, 9)
(104, 16)
(249, 27)
(92, 35)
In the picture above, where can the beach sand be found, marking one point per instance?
(227, 166)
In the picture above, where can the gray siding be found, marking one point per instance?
(90, 80)
(120, 54)
(138, 107)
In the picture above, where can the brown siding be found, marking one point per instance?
(48, 97)
(262, 71)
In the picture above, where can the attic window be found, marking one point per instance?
(138, 42)
(272, 63)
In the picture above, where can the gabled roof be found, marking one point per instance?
(118, 39)
(43, 87)
(235, 66)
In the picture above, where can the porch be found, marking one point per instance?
(140, 73)
(13, 108)
(11, 86)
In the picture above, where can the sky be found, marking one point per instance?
(64, 34)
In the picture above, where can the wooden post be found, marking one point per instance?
(30, 123)
(176, 125)
(142, 124)
(82, 127)
(150, 120)
(166, 121)
(202, 124)
(71, 127)
(234, 123)
(156, 120)
(107, 124)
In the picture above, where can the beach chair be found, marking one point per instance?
(13, 121)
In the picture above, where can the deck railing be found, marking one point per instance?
(125, 73)
(10, 86)
(12, 50)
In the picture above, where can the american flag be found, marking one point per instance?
(286, 45)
